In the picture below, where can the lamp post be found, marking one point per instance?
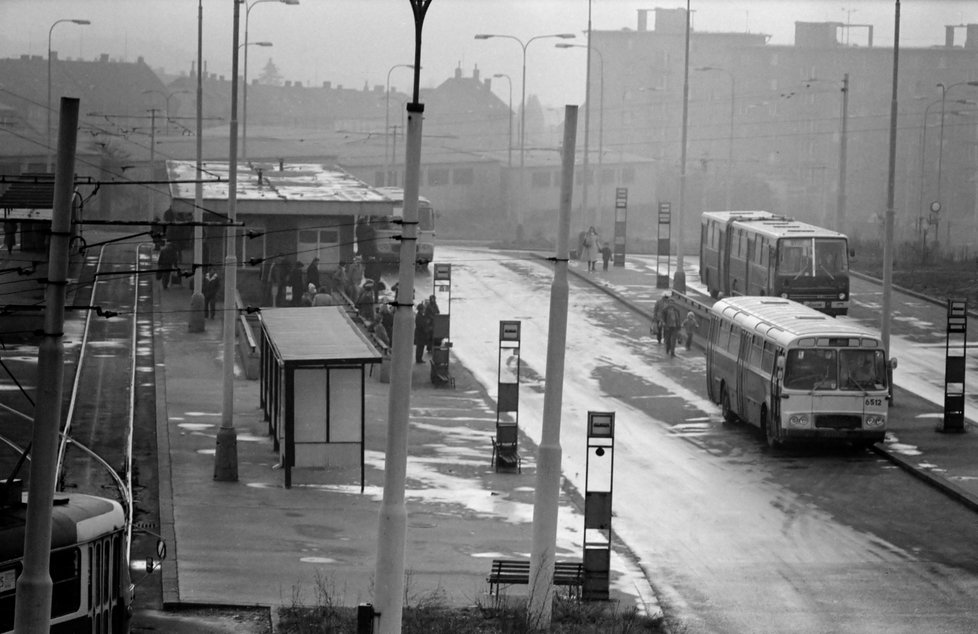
(195, 317)
(387, 121)
(587, 117)
(50, 107)
(679, 280)
(940, 151)
(244, 96)
(523, 46)
(730, 131)
(509, 144)
(167, 96)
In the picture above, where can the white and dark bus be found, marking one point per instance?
(388, 229)
(760, 253)
(796, 373)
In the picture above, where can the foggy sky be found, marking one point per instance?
(356, 42)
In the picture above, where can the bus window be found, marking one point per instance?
(862, 370)
(795, 257)
(426, 219)
(830, 256)
(767, 360)
(811, 369)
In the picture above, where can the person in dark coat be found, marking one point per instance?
(431, 309)
(312, 273)
(422, 334)
(9, 235)
(671, 323)
(605, 256)
(387, 316)
(166, 264)
(298, 274)
(211, 288)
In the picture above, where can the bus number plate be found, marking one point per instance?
(815, 304)
(874, 402)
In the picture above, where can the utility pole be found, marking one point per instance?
(32, 614)
(196, 316)
(545, 503)
(392, 525)
(890, 187)
(840, 210)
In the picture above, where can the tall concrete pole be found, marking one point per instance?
(196, 314)
(549, 455)
(226, 455)
(840, 209)
(890, 189)
(679, 279)
(392, 525)
(586, 218)
(34, 586)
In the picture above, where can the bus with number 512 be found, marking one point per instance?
(796, 373)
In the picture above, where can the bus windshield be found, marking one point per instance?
(811, 369)
(808, 257)
(862, 370)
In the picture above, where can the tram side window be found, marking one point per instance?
(66, 577)
(8, 590)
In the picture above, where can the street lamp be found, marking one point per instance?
(524, 45)
(166, 97)
(940, 155)
(587, 119)
(387, 121)
(244, 96)
(730, 134)
(50, 107)
(509, 144)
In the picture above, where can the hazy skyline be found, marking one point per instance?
(354, 43)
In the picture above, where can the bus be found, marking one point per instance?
(387, 229)
(760, 253)
(795, 372)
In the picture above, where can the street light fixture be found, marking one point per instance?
(244, 96)
(587, 120)
(940, 155)
(388, 159)
(509, 80)
(730, 132)
(50, 107)
(523, 46)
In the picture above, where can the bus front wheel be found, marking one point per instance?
(728, 414)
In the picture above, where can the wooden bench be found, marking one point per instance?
(507, 572)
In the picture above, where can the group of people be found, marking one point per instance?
(590, 246)
(168, 272)
(424, 328)
(667, 323)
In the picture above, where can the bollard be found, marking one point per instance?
(365, 618)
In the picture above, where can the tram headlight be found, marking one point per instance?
(798, 420)
(875, 421)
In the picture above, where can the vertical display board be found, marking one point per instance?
(956, 348)
(664, 246)
(621, 217)
(441, 292)
(598, 485)
(505, 449)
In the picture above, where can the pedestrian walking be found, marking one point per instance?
(166, 263)
(312, 273)
(656, 329)
(422, 335)
(296, 284)
(605, 256)
(276, 278)
(690, 324)
(590, 248)
(9, 235)
(671, 323)
(211, 289)
(431, 309)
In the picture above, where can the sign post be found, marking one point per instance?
(956, 348)
(621, 218)
(599, 478)
(505, 449)
(664, 246)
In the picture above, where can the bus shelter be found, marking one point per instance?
(313, 362)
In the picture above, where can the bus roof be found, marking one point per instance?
(785, 321)
(771, 225)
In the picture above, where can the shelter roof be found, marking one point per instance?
(317, 335)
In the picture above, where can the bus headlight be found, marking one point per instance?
(798, 420)
(842, 295)
(784, 296)
(875, 421)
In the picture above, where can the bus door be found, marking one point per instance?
(777, 375)
(711, 359)
(743, 370)
(323, 242)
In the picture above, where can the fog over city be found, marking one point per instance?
(354, 43)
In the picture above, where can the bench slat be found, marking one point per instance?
(517, 572)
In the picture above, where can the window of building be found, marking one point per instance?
(463, 176)
(438, 176)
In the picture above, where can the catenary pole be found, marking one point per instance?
(392, 524)
(226, 454)
(890, 188)
(34, 586)
(549, 454)
(679, 279)
(196, 317)
(840, 208)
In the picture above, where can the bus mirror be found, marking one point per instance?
(893, 363)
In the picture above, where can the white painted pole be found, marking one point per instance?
(548, 460)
